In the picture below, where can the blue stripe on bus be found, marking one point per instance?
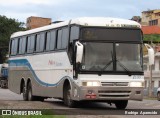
(25, 63)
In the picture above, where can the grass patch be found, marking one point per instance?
(43, 116)
(150, 98)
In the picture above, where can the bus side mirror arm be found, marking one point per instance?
(79, 53)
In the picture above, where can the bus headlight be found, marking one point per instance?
(136, 84)
(94, 83)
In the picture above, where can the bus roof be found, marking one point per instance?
(84, 21)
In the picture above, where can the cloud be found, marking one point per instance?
(67, 9)
(23, 2)
(19, 16)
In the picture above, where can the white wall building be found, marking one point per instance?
(155, 74)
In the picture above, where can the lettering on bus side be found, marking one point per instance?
(51, 62)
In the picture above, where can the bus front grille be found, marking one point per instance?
(114, 83)
(107, 94)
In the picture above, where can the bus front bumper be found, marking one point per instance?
(110, 93)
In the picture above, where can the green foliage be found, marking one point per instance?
(153, 37)
(7, 27)
(43, 116)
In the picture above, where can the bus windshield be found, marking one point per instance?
(102, 57)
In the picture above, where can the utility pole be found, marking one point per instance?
(151, 62)
(150, 90)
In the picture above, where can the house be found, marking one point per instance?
(151, 17)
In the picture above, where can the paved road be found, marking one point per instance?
(10, 100)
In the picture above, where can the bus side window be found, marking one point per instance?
(74, 34)
(26, 44)
(48, 38)
(65, 38)
(45, 41)
(22, 45)
(53, 40)
(18, 45)
(15, 47)
(38, 39)
(30, 44)
(59, 40)
(42, 41)
(12, 46)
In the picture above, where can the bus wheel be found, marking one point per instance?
(122, 104)
(25, 95)
(67, 97)
(29, 92)
(38, 98)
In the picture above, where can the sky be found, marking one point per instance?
(68, 9)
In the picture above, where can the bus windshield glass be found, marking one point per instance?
(111, 34)
(102, 57)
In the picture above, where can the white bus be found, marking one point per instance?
(83, 59)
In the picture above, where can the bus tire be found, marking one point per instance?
(24, 90)
(121, 104)
(67, 97)
(29, 92)
(0, 83)
(38, 98)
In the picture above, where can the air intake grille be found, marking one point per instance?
(114, 83)
(107, 94)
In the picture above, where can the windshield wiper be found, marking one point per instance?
(107, 65)
(124, 67)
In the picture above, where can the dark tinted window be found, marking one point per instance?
(18, 46)
(30, 44)
(74, 33)
(59, 40)
(42, 40)
(15, 46)
(22, 45)
(53, 40)
(48, 41)
(38, 39)
(12, 47)
(64, 38)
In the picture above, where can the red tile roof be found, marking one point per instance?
(151, 29)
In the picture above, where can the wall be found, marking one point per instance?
(35, 22)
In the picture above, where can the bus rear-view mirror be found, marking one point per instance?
(79, 53)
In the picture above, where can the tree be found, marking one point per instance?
(7, 27)
(152, 37)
